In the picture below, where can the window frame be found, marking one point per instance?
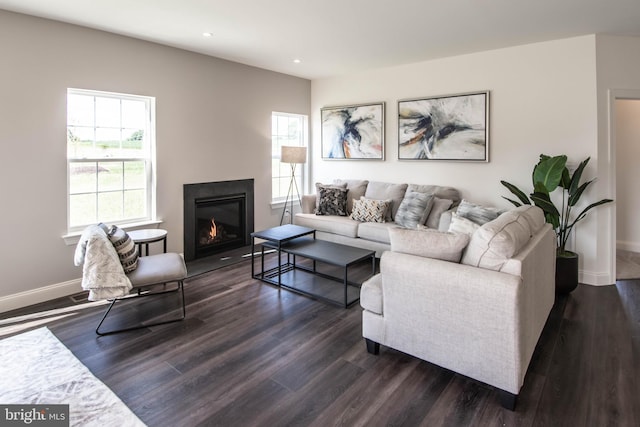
(148, 156)
(302, 171)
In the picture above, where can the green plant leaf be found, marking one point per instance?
(549, 172)
(577, 176)
(582, 214)
(517, 192)
(575, 195)
(514, 202)
(543, 201)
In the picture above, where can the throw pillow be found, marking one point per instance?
(477, 213)
(387, 191)
(439, 207)
(414, 209)
(332, 201)
(320, 185)
(428, 243)
(125, 247)
(369, 210)
(460, 224)
(497, 241)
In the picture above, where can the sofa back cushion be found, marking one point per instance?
(387, 191)
(428, 243)
(356, 189)
(499, 240)
(438, 191)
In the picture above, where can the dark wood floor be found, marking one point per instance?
(250, 355)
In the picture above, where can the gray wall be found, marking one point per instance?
(213, 123)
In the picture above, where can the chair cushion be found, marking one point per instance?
(428, 243)
(159, 268)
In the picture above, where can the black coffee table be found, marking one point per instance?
(301, 242)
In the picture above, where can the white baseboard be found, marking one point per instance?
(35, 296)
(628, 246)
(595, 279)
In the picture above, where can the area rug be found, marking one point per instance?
(36, 369)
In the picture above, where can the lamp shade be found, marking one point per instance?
(291, 154)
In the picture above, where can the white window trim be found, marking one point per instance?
(279, 203)
(73, 233)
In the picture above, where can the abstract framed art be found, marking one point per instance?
(353, 132)
(450, 127)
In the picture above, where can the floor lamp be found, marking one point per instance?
(293, 156)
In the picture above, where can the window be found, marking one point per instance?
(110, 154)
(286, 129)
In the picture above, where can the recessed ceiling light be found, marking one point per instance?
(296, 61)
(207, 34)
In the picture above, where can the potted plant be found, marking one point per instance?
(549, 174)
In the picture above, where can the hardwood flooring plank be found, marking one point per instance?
(249, 354)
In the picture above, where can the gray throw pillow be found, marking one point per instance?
(477, 213)
(356, 188)
(414, 209)
(333, 201)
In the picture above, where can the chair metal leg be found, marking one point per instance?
(138, 295)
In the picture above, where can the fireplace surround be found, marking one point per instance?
(218, 216)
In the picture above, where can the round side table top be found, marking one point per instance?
(148, 235)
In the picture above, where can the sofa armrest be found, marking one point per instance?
(308, 203)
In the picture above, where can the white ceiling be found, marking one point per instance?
(333, 37)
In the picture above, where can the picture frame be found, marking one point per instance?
(353, 132)
(447, 127)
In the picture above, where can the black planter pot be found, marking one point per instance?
(566, 273)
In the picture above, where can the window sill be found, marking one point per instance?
(72, 238)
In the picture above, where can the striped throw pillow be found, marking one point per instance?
(125, 247)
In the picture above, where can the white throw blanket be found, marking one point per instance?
(102, 273)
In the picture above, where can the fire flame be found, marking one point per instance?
(213, 232)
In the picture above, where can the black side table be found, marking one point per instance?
(146, 236)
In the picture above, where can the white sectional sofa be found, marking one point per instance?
(476, 308)
(375, 235)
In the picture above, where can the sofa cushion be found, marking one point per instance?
(437, 190)
(375, 231)
(462, 225)
(342, 225)
(428, 243)
(477, 213)
(387, 191)
(414, 209)
(356, 189)
(439, 206)
(371, 294)
(369, 210)
(332, 201)
(497, 241)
